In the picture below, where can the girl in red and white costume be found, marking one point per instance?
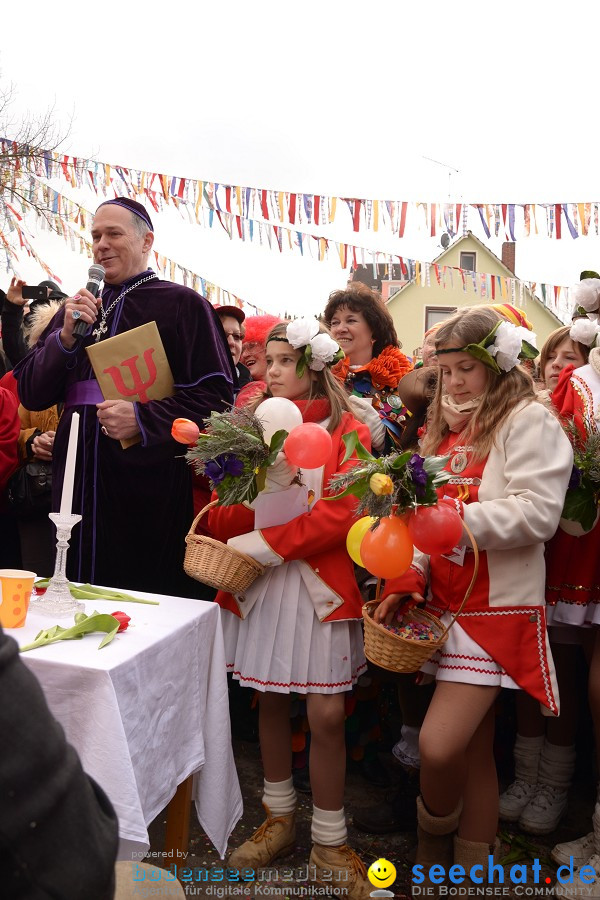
(573, 592)
(544, 751)
(510, 464)
(298, 627)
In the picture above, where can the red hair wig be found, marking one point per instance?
(258, 327)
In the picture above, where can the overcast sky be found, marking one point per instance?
(335, 97)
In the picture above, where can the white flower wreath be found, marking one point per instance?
(584, 330)
(508, 344)
(586, 294)
(320, 349)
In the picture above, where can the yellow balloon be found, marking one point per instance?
(355, 536)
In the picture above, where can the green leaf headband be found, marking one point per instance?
(480, 351)
(307, 360)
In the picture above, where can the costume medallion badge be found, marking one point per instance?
(459, 462)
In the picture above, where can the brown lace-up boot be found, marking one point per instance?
(276, 837)
(346, 874)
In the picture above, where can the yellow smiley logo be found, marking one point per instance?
(382, 873)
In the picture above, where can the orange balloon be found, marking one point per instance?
(387, 551)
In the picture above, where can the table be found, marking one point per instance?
(147, 711)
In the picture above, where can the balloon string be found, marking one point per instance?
(378, 590)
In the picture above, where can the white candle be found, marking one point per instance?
(66, 500)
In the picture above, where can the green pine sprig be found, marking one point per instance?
(235, 435)
(406, 494)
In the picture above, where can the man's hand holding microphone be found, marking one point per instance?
(81, 311)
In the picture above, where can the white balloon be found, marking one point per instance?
(277, 413)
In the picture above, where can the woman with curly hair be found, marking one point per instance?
(373, 365)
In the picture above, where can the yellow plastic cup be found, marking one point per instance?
(17, 585)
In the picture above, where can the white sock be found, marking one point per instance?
(329, 827)
(527, 754)
(279, 797)
(407, 748)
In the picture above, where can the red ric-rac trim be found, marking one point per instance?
(472, 669)
(296, 684)
(483, 659)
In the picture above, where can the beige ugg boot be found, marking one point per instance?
(276, 837)
(476, 853)
(435, 843)
(346, 872)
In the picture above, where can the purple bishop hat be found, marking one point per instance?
(133, 206)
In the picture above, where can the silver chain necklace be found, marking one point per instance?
(103, 327)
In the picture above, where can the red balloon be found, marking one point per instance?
(388, 550)
(435, 529)
(308, 446)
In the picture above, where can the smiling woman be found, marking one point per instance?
(373, 364)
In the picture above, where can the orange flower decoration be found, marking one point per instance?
(385, 370)
(389, 367)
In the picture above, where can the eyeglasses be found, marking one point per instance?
(235, 335)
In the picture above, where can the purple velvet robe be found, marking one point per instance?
(136, 503)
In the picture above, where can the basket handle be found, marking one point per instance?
(472, 582)
(205, 509)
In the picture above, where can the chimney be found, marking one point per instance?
(508, 255)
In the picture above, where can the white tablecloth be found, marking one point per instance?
(146, 711)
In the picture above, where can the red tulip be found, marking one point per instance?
(435, 529)
(308, 446)
(185, 431)
(387, 551)
(123, 620)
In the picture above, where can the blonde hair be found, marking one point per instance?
(322, 384)
(503, 392)
(552, 343)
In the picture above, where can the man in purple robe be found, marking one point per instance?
(136, 503)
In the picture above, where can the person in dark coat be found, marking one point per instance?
(136, 503)
(232, 319)
(14, 320)
(58, 830)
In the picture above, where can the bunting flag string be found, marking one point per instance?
(508, 221)
(72, 221)
(555, 297)
(205, 202)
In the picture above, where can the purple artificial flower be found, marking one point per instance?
(418, 474)
(575, 479)
(222, 465)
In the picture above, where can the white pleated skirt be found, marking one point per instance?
(462, 659)
(281, 646)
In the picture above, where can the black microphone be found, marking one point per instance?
(96, 275)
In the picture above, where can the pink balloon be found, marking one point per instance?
(308, 446)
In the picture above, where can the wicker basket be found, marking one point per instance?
(401, 654)
(216, 564)
(396, 653)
